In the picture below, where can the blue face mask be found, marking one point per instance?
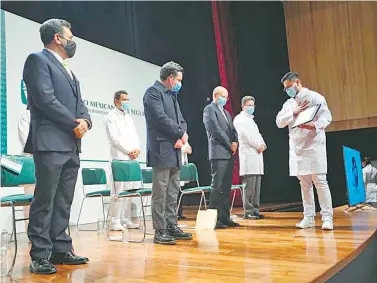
(221, 101)
(125, 105)
(176, 88)
(250, 110)
(291, 91)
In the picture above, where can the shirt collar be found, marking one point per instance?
(120, 111)
(220, 107)
(247, 115)
(57, 56)
(161, 86)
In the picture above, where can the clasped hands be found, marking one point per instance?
(234, 147)
(133, 154)
(81, 128)
(179, 143)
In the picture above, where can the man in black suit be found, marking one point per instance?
(166, 134)
(59, 119)
(222, 145)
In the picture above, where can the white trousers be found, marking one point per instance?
(122, 207)
(324, 195)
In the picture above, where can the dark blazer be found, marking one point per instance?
(165, 125)
(220, 133)
(55, 102)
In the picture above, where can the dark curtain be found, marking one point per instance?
(228, 68)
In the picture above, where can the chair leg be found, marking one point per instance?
(108, 220)
(14, 232)
(179, 202)
(103, 210)
(78, 220)
(231, 207)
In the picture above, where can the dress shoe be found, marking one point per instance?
(177, 233)
(220, 225)
(328, 224)
(231, 223)
(68, 258)
(162, 237)
(130, 224)
(307, 222)
(181, 217)
(42, 266)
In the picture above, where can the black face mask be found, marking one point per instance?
(70, 47)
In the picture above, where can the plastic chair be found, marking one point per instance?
(189, 173)
(127, 171)
(240, 189)
(92, 177)
(9, 179)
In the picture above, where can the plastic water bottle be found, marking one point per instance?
(125, 234)
(99, 225)
(4, 253)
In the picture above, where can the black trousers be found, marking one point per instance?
(221, 171)
(56, 176)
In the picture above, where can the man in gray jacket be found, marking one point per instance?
(222, 145)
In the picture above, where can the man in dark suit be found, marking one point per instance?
(59, 119)
(166, 134)
(222, 145)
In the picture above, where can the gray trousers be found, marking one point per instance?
(165, 190)
(56, 176)
(252, 184)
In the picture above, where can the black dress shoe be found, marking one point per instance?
(220, 225)
(231, 223)
(177, 233)
(255, 216)
(68, 258)
(181, 217)
(162, 237)
(42, 266)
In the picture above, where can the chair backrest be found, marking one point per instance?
(26, 176)
(147, 176)
(189, 173)
(93, 176)
(126, 171)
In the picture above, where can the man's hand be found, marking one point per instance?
(184, 138)
(262, 148)
(301, 107)
(309, 126)
(187, 149)
(134, 154)
(178, 144)
(81, 128)
(233, 147)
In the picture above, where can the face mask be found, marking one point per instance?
(176, 88)
(70, 47)
(221, 101)
(125, 105)
(291, 91)
(250, 110)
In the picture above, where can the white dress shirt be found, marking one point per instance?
(23, 128)
(62, 61)
(121, 133)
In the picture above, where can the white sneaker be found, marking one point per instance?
(131, 225)
(327, 225)
(116, 226)
(305, 223)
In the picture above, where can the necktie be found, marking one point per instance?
(66, 67)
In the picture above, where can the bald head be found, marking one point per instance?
(219, 91)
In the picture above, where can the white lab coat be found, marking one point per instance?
(249, 138)
(309, 146)
(23, 129)
(370, 181)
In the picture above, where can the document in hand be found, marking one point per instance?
(306, 116)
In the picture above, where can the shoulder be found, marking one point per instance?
(209, 107)
(238, 118)
(37, 57)
(111, 115)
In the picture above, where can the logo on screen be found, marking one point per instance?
(23, 92)
(355, 173)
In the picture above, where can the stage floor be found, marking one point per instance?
(269, 250)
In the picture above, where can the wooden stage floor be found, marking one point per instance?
(269, 250)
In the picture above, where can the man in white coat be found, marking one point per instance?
(308, 142)
(124, 145)
(251, 148)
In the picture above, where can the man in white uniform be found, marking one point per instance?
(251, 148)
(309, 144)
(124, 145)
(23, 129)
(370, 180)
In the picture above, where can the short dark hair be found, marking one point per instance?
(290, 76)
(367, 160)
(118, 94)
(170, 68)
(51, 27)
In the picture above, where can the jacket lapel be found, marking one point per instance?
(220, 114)
(61, 67)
